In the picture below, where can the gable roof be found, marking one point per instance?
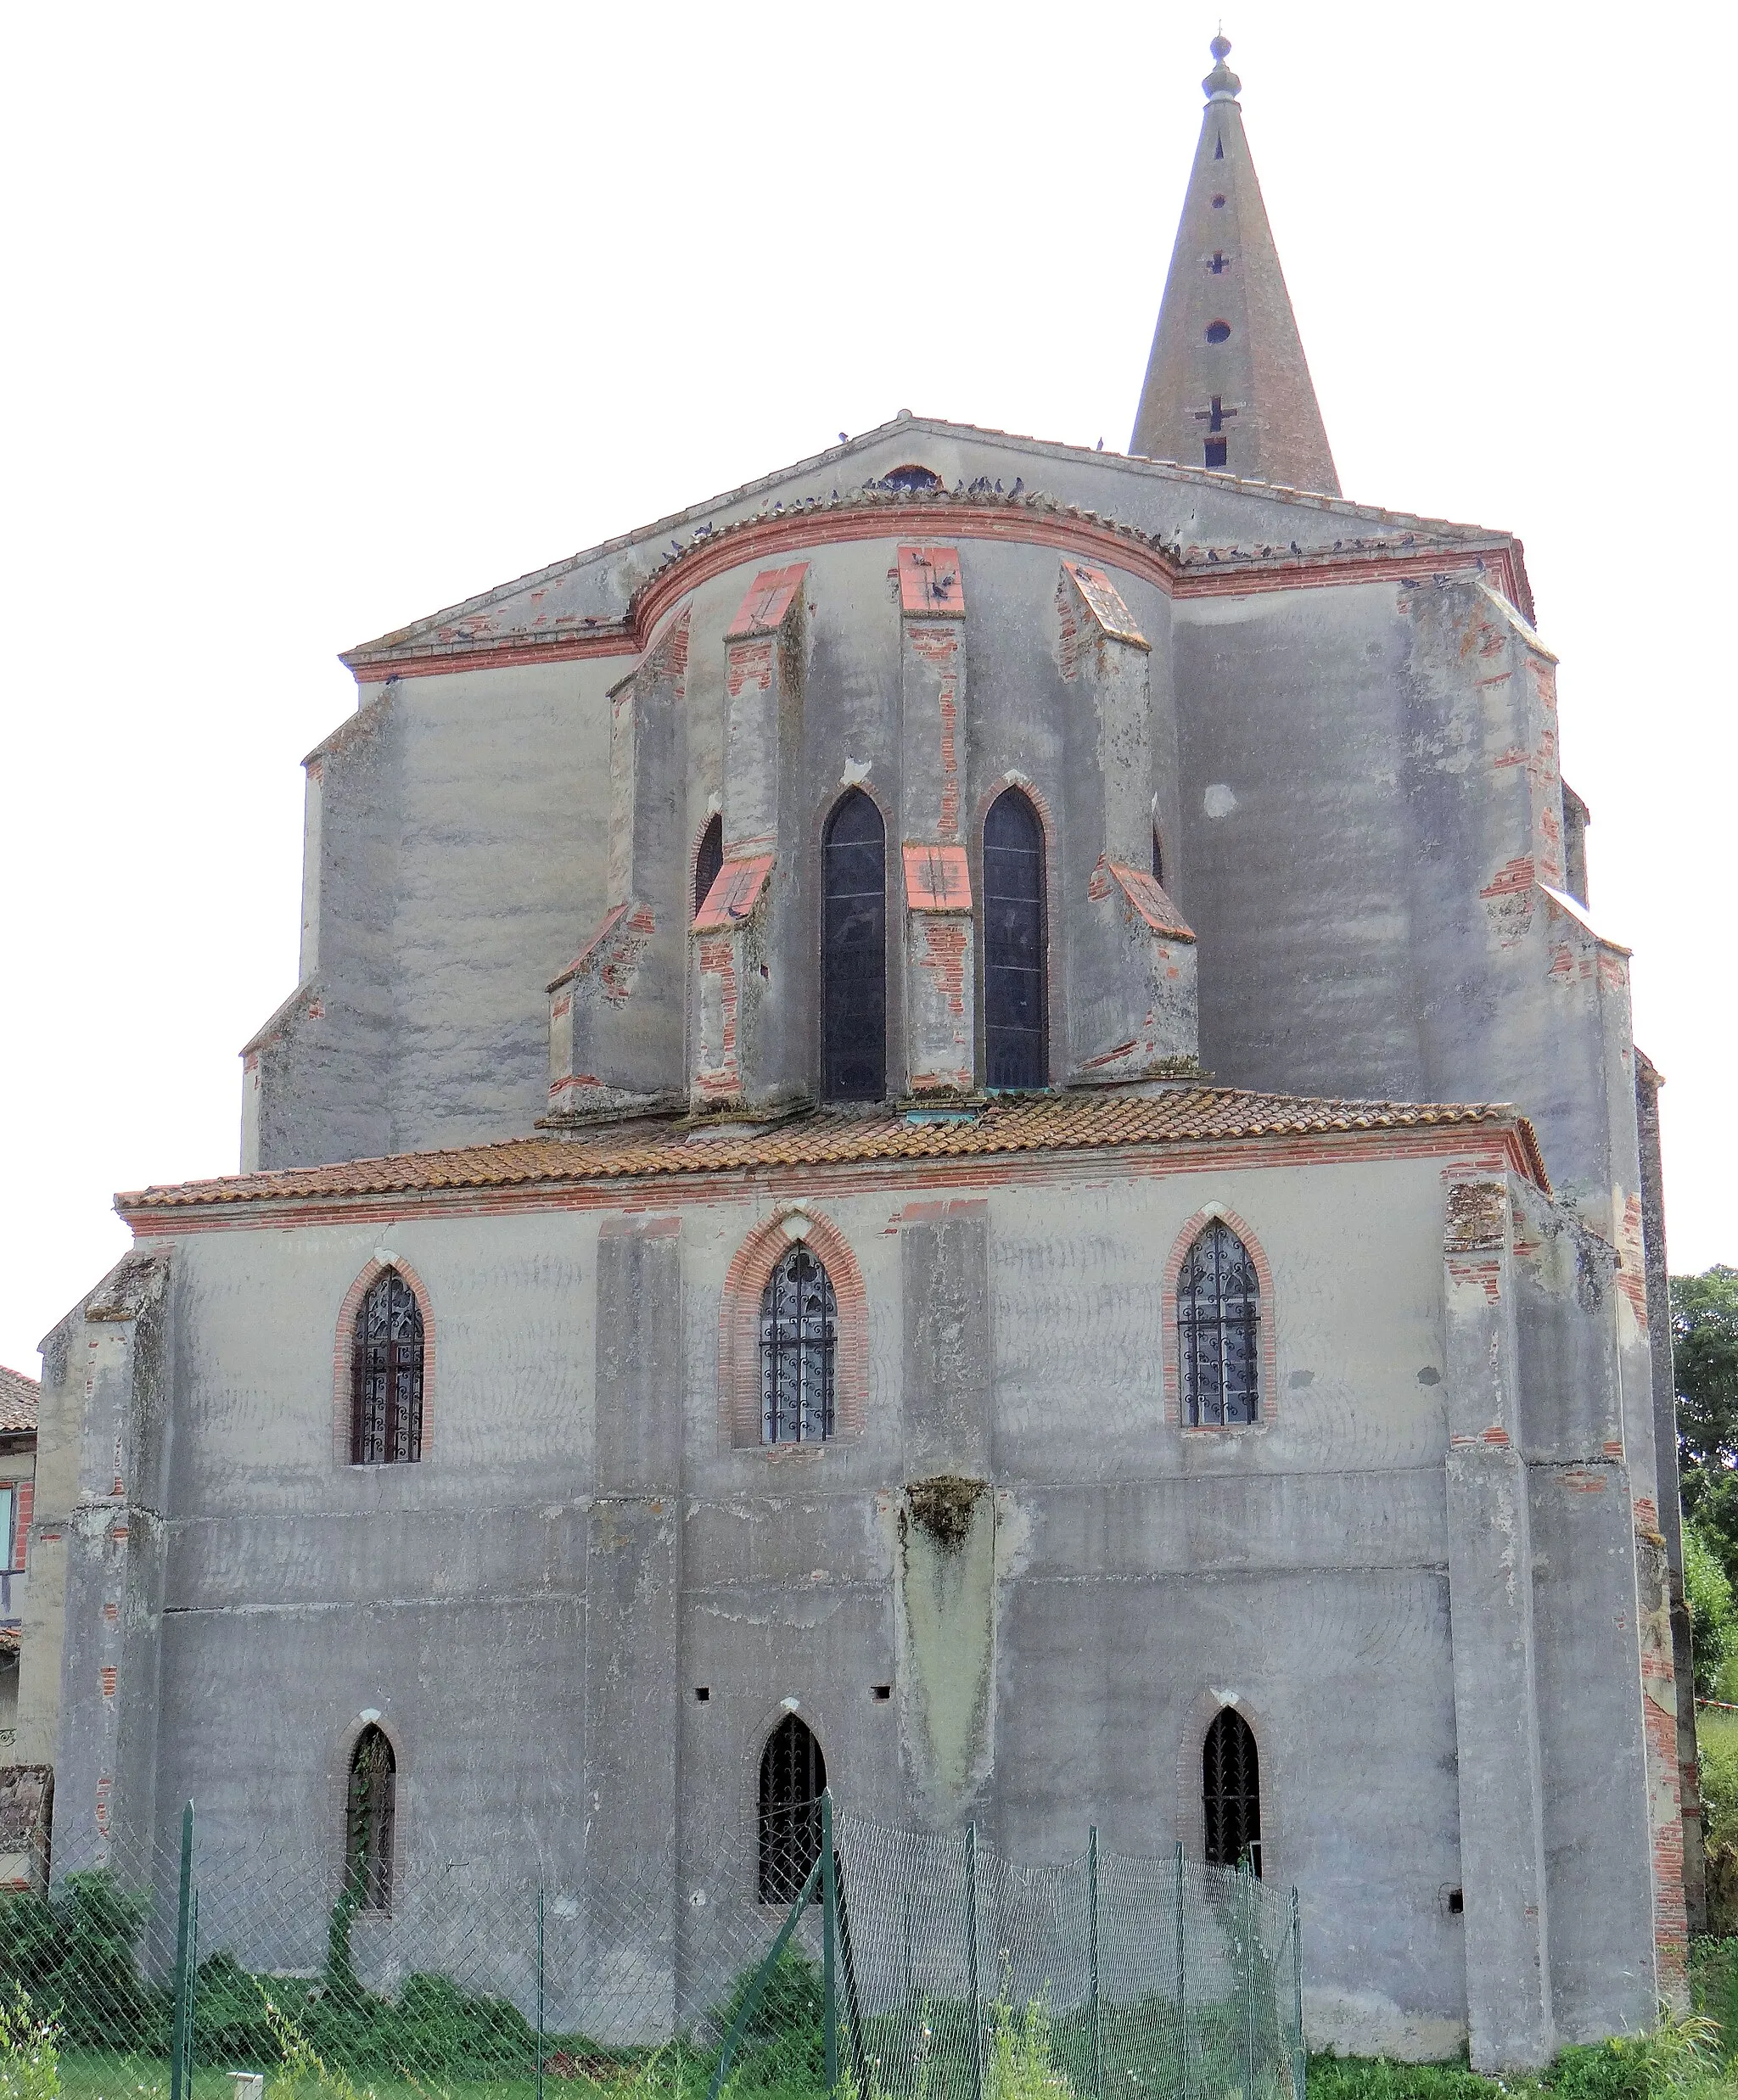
(1011, 1125)
(590, 600)
(19, 1399)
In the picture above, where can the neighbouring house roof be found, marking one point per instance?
(19, 1396)
(642, 1149)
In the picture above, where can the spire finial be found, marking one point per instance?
(1221, 85)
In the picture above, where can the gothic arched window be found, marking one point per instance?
(1231, 1792)
(793, 1777)
(1013, 944)
(386, 1375)
(368, 1821)
(708, 861)
(798, 1342)
(854, 952)
(1218, 1307)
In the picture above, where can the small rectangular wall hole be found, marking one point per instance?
(882, 1691)
(703, 1693)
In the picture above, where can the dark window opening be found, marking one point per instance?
(386, 1375)
(798, 1341)
(1218, 148)
(793, 1777)
(1215, 452)
(911, 478)
(1218, 331)
(1457, 1902)
(1218, 1307)
(1014, 995)
(1157, 861)
(883, 1692)
(708, 861)
(368, 1821)
(1220, 264)
(1219, 204)
(1231, 1793)
(703, 1693)
(854, 952)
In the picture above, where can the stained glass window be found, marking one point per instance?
(1013, 944)
(854, 952)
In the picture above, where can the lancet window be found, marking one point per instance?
(386, 1375)
(799, 1345)
(793, 1777)
(369, 1814)
(1219, 1311)
(708, 861)
(1231, 1792)
(854, 952)
(1014, 996)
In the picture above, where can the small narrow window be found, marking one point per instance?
(798, 1342)
(386, 1375)
(1215, 451)
(1218, 1307)
(793, 1779)
(1231, 1792)
(854, 952)
(1157, 861)
(1014, 995)
(368, 1821)
(708, 861)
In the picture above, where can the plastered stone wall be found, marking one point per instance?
(583, 1542)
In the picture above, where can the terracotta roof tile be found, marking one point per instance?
(19, 1396)
(1050, 1123)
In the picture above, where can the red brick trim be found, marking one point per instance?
(345, 1340)
(1267, 1389)
(451, 649)
(739, 1325)
(23, 1505)
(1055, 1021)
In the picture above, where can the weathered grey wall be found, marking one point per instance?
(530, 1607)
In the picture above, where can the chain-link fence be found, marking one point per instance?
(912, 1967)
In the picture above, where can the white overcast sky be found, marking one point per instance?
(320, 317)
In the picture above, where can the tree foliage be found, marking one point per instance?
(1705, 1363)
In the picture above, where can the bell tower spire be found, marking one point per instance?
(1227, 385)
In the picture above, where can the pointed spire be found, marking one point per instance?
(1227, 385)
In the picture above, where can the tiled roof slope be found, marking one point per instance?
(1058, 1122)
(19, 1396)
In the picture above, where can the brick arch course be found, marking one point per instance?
(344, 1342)
(739, 1326)
(1267, 1371)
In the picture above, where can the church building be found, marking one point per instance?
(958, 1121)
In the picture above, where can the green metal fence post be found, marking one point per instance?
(1300, 2061)
(972, 1960)
(184, 1928)
(540, 1991)
(751, 1997)
(193, 1988)
(1246, 1876)
(829, 1940)
(1092, 1958)
(1182, 1994)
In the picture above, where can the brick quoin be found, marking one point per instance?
(345, 1342)
(1267, 1391)
(739, 1327)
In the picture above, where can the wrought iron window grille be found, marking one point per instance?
(793, 1779)
(1218, 1311)
(1231, 1792)
(386, 1375)
(798, 1346)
